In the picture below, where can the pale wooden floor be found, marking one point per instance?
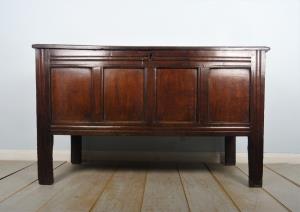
(163, 187)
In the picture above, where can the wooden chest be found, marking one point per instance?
(101, 90)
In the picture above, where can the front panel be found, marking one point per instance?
(124, 94)
(228, 95)
(107, 94)
(71, 94)
(176, 95)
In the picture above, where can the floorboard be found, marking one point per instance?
(34, 196)
(235, 182)
(202, 190)
(289, 171)
(134, 188)
(10, 167)
(80, 193)
(164, 191)
(280, 188)
(124, 192)
(19, 180)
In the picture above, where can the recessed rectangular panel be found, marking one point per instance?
(123, 94)
(176, 95)
(228, 95)
(71, 90)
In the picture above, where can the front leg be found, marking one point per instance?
(45, 158)
(44, 137)
(255, 159)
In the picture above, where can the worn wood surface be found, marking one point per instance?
(19, 180)
(34, 196)
(155, 187)
(80, 194)
(124, 192)
(203, 191)
(280, 188)
(9, 167)
(164, 191)
(288, 171)
(247, 199)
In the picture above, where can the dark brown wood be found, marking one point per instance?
(98, 47)
(256, 137)
(228, 95)
(176, 95)
(76, 147)
(101, 90)
(124, 94)
(255, 159)
(44, 137)
(71, 92)
(230, 151)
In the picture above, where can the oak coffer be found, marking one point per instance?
(103, 90)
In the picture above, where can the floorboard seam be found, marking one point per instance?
(20, 189)
(184, 191)
(17, 171)
(100, 194)
(222, 187)
(143, 196)
(46, 202)
(286, 178)
(277, 200)
(262, 188)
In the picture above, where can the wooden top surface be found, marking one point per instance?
(99, 47)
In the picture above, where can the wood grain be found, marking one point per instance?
(71, 90)
(176, 95)
(228, 95)
(164, 191)
(19, 180)
(191, 187)
(78, 194)
(99, 47)
(283, 190)
(124, 192)
(124, 94)
(10, 167)
(234, 181)
(202, 191)
(33, 196)
(289, 171)
(43, 112)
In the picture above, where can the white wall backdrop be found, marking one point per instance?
(274, 23)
